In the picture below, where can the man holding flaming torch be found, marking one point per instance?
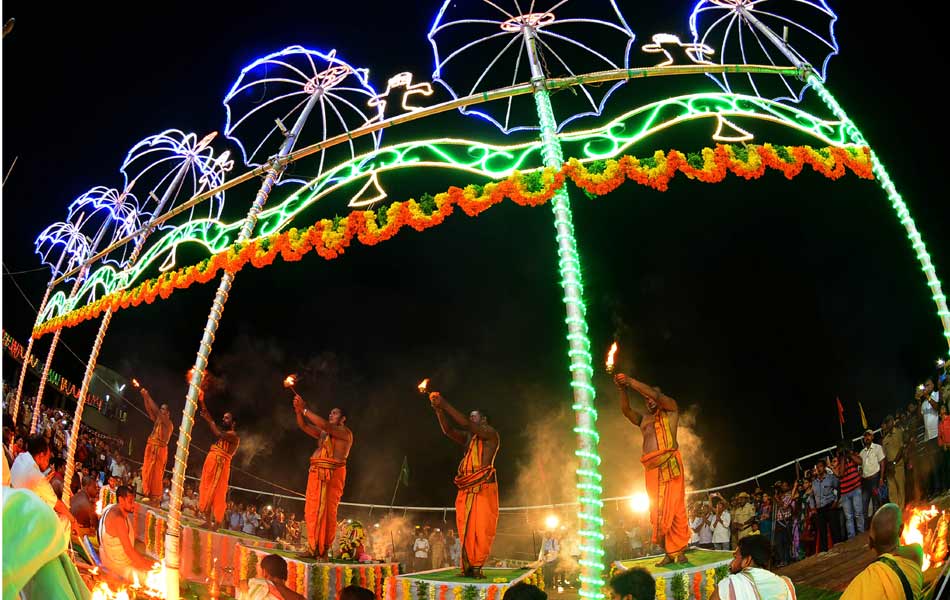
(327, 471)
(663, 463)
(156, 448)
(476, 505)
(216, 473)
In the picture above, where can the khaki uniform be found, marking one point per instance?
(892, 443)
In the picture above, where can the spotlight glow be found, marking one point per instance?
(640, 502)
(551, 522)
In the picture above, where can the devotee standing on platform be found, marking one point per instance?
(896, 573)
(327, 474)
(156, 448)
(476, 504)
(663, 463)
(213, 488)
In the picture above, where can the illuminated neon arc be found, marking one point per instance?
(473, 157)
(375, 126)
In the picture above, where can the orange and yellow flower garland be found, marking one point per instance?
(330, 238)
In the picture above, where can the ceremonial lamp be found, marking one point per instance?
(423, 386)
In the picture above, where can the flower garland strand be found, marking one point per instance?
(710, 582)
(697, 585)
(660, 588)
(196, 562)
(330, 237)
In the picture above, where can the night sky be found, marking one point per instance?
(754, 304)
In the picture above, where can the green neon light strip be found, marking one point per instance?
(486, 160)
(589, 490)
(897, 202)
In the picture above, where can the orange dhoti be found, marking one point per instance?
(213, 488)
(153, 469)
(324, 490)
(667, 491)
(476, 505)
(476, 516)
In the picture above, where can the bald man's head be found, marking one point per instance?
(886, 528)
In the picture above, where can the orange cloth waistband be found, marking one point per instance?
(669, 461)
(476, 478)
(324, 466)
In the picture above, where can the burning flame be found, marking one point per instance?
(154, 586)
(610, 357)
(928, 527)
(135, 383)
(423, 385)
(290, 381)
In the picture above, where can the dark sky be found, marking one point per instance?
(752, 303)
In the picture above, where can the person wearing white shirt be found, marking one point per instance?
(27, 473)
(720, 526)
(420, 549)
(873, 468)
(930, 411)
(749, 577)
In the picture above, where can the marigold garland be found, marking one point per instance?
(338, 580)
(492, 592)
(378, 577)
(660, 588)
(443, 591)
(406, 589)
(362, 572)
(292, 575)
(330, 237)
(301, 580)
(697, 585)
(325, 582)
(710, 582)
(457, 592)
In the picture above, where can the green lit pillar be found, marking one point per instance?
(589, 488)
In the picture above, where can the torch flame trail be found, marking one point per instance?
(423, 385)
(610, 357)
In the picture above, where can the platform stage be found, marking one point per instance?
(445, 584)
(698, 576)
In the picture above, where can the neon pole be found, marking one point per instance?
(52, 348)
(103, 327)
(173, 533)
(883, 177)
(588, 476)
(29, 345)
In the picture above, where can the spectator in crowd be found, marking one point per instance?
(273, 584)
(892, 441)
(420, 552)
(189, 504)
(720, 524)
(930, 412)
(913, 427)
(26, 472)
(519, 591)
(136, 483)
(827, 525)
(251, 520)
(897, 567)
(550, 551)
(943, 443)
(764, 512)
(58, 475)
(632, 584)
(454, 548)
(236, 518)
(706, 527)
(8, 445)
(749, 577)
(437, 543)
(82, 505)
(873, 468)
(849, 476)
(783, 526)
(278, 525)
(744, 516)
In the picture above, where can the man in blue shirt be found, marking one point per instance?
(237, 517)
(823, 489)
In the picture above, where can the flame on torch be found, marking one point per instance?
(423, 385)
(290, 381)
(135, 383)
(610, 357)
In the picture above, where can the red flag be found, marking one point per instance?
(840, 411)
